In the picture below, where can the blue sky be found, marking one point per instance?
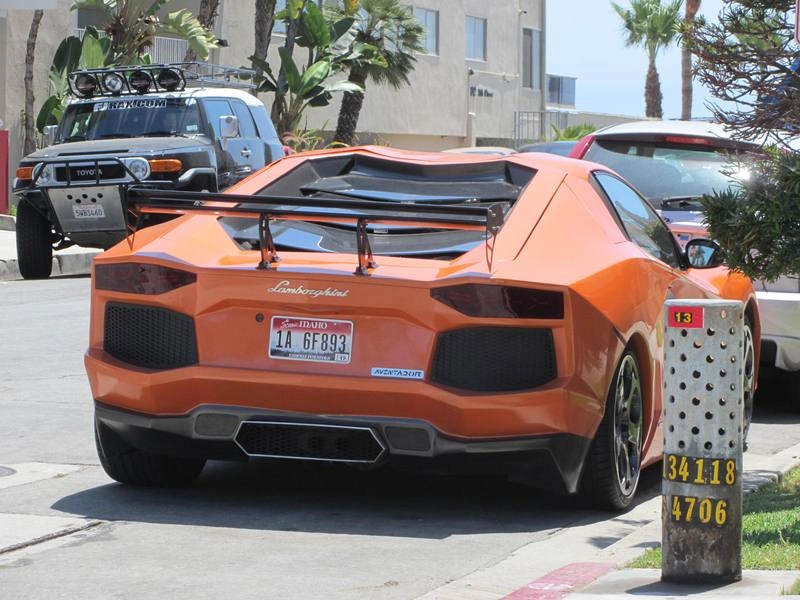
(585, 40)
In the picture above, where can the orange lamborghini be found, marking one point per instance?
(372, 306)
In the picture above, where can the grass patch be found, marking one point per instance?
(770, 529)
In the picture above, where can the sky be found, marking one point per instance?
(585, 39)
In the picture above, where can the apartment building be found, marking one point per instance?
(481, 78)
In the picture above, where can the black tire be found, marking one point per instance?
(749, 377)
(613, 465)
(34, 243)
(126, 464)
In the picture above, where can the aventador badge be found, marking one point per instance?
(398, 373)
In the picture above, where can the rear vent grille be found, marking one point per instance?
(149, 337)
(494, 359)
(311, 442)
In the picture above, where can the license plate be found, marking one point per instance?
(94, 211)
(317, 340)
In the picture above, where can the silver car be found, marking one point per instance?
(673, 163)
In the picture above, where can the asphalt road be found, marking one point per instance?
(250, 530)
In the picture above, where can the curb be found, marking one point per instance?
(63, 264)
(7, 223)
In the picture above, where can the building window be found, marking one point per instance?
(476, 38)
(561, 90)
(531, 58)
(429, 19)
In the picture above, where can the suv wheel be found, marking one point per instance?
(34, 243)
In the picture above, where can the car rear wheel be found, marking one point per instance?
(612, 469)
(34, 243)
(127, 464)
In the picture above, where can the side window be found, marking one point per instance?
(641, 223)
(247, 128)
(216, 108)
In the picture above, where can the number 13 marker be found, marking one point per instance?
(686, 317)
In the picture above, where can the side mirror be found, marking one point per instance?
(49, 134)
(702, 253)
(228, 128)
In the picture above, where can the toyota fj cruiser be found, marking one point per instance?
(185, 126)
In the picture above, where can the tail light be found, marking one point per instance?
(140, 278)
(691, 141)
(479, 300)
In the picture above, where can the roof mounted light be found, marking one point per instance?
(140, 81)
(86, 85)
(169, 79)
(113, 83)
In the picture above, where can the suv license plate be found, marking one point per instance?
(94, 211)
(316, 340)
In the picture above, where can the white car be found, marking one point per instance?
(673, 163)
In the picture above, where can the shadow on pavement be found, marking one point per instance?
(321, 498)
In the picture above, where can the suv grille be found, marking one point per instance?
(88, 172)
(149, 337)
(494, 359)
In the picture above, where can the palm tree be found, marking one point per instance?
(133, 26)
(265, 21)
(652, 25)
(29, 143)
(394, 34)
(206, 15)
(692, 6)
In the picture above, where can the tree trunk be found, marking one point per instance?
(206, 14)
(652, 92)
(265, 21)
(279, 104)
(350, 110)
(692, 6)
(29, 143)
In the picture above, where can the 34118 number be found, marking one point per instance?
(701, 471)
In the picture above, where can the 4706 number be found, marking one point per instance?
(705, 511)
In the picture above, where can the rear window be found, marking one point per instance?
(389, 184)
(661, 171)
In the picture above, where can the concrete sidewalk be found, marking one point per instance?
(71, 261)
(588, 562)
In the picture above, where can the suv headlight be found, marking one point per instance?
(44, 173)
(138, 167)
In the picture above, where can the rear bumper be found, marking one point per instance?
(220, 432)
(780, 329)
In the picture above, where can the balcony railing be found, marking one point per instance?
(164, 50)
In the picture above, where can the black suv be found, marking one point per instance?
(188, 126)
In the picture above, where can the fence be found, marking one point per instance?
(164, 49)
(536, 126)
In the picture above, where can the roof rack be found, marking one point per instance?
(200, 74)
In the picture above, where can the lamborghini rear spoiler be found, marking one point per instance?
(141, 200)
